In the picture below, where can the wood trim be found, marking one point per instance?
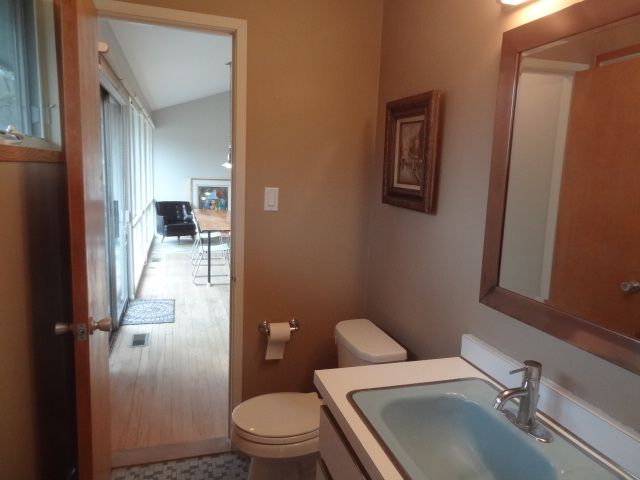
(606, 344)
(580, 17)
(16, 153)
(80, 119)
(621, 52)
(577, 18)
(69, 73)
(163, 453)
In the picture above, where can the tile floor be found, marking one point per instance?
(226, 466)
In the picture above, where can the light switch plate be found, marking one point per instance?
(271, 199)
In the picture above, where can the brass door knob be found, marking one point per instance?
(630, 287)
(60, 328)
(103, 325)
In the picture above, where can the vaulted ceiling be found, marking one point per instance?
(172, 65)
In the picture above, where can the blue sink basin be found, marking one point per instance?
(449, 431)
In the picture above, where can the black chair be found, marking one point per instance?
(174, 219)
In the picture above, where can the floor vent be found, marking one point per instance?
(140, 340)
(156, 259)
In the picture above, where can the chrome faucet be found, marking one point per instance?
(528, 393)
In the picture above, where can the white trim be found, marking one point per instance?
(551, 66)
(238, 29)
(555, 185)
(618, 442)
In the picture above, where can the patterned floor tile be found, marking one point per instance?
(227, 466)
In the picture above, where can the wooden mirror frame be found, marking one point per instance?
(581, 17)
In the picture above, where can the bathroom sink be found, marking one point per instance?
(449, 430)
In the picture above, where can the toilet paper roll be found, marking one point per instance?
(278, 336)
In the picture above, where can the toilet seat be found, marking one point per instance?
(275, 440)
(277, 425)
(278, 418)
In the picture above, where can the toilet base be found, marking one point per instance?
(298, 468)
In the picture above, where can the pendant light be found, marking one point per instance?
(228, 163)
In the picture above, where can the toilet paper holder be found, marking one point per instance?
(263, 326)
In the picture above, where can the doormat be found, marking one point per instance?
(142, 312)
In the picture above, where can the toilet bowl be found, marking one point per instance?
(279, 431)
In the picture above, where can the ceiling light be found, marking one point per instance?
(227, 164)
(513, 2)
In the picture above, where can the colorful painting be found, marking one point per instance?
(211, 194)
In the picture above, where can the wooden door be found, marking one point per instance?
(90, 299)
(598, 230)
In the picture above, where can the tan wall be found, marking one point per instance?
(18, 438)
(36, 384)
(424, 271)
(312, 88)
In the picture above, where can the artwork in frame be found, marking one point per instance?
(211, 194)
(411, 152)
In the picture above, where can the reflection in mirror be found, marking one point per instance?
(571, 229)
(29, 100)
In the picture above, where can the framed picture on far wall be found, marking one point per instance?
(211, 194)
(411, 152)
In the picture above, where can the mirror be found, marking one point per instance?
(561, 243)
(29, 100)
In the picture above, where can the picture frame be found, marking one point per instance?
(211, 194)
(411, 152)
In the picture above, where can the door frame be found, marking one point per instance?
(238, 29)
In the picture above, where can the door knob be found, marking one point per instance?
(103, 325)
(630, 287)
(60, 328)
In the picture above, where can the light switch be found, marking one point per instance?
(271, 199)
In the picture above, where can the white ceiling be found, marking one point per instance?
(174, 66)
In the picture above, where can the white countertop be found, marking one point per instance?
(334, 386)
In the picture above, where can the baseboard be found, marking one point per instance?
(163, 453)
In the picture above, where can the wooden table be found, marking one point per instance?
(212, 221)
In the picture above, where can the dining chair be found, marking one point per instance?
(221, 247)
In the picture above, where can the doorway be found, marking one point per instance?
(170, 379)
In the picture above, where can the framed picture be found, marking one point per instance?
(211, 194)
(411, 152)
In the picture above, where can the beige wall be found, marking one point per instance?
(18, 442)
(312, 88)
(312, 80)
(36, 390)
(424, 271)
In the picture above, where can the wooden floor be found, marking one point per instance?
(174, 390)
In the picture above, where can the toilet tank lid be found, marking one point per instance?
(365, 340)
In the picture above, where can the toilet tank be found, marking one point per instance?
(360, 342)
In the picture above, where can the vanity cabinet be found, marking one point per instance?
(337, 459)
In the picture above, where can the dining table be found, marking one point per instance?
(210, 221)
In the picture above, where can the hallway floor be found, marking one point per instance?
(175, 389)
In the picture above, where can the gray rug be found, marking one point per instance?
(142, 312)
(227, 466)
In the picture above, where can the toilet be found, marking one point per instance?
(279, 431)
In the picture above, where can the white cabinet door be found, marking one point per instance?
(335, 452)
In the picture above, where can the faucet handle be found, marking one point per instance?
(532, 370)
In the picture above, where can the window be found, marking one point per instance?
(20, 99)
